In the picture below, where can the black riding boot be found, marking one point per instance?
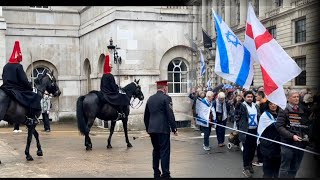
(5, 103)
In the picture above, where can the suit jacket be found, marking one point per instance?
(158, 115)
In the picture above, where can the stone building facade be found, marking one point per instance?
(293, 23)
(155, 43)
(73, 42)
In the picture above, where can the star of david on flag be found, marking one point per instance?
(233, 61)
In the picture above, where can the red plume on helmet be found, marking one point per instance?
(107, 67)
(16, 55)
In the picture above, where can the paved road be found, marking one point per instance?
(65, 156)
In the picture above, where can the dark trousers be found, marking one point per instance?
(207, 132)
(259, 154)
(46, 123)
(249, 148)
(161, 151)
(271, 166)
(16, 126)
(290, 162)
(221, 131)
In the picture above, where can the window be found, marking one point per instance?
(177, 76)
(279, 3)
(273, 31)
(301, 80)
(300, 30)
(40, 7)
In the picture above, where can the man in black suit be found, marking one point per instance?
(158, 119)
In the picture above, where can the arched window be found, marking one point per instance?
(177, 76)
(39, 71)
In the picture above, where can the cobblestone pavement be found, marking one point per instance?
(65, 155)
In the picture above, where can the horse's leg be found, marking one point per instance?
(29, 138)
(125, 128)
(87, 139)
(36, 135)
(113, 124)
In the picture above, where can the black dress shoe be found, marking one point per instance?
(165, 176)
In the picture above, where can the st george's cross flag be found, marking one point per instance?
(233, 60)
(276, 65)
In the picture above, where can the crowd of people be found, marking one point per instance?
(250, 111)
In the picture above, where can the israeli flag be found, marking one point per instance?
(233, 60)
(202, 65)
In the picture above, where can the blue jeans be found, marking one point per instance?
(221, 131)
(290, 162)
(207, 132)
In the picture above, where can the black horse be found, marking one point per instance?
(16, 113)
(90, 106)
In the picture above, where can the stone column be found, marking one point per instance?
(243, 11)
(262, 8)
(227, 8)
(195, 22)
(3, 27)
(204, 15)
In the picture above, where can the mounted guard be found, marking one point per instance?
(17, 86)
(112, 93)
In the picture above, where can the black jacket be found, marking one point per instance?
(287, 129)
(218, 114)
(110, 91)
(16, 84)
(243, 121)
(158, 115)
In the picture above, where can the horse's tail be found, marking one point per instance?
(81, 118)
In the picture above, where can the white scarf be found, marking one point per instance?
(252, 112)
(219, 110)
(266, 119)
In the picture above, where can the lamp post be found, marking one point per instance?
(116, 59)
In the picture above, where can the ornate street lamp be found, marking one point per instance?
(116, 59)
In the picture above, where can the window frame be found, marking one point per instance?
(302, 32)
(273, 28)
(302, 63)
(183, 74)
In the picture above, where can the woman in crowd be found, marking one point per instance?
(270, 150)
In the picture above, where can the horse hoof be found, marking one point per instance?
(29, 158)
(129, 145)
(39, 153)
(109, 147)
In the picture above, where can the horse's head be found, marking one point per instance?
(137, 93)
(48, 82)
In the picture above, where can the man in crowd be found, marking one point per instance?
(248, 122)
(222, 109)
(293, 126)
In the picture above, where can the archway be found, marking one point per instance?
(87, 73)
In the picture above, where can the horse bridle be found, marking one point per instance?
(43, 92)
(134, 98)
